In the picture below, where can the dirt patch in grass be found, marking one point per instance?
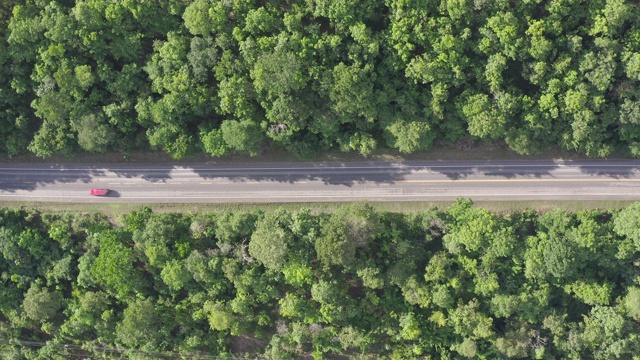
(244, 344)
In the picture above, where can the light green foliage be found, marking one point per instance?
(197, 18)
(33, 242)
(411, 136)
(415, 292)
(278, 73)
(371, 278)
(113, 268)
(477, 229)
(632, 303)
(363, 143)
(41, 304)
(85, 276)
(352, 338)
(270, 241)
(213, 142)
(163, 238)
(141, 326)
(61, 269)
(236, 227)
(346, 230)
(468, 348)
(136, 220)
(439, 268)
(243, 136)
(469, 322)
(484, 120)
(219, 316)
(592, 294)
(559, 258)
(86, 316)
(175, 275)
(351, 92)
(292, 306)
(441, 296)
(627, 223)
(297, 274)
(529, 303)
(410, 327)
(606, 333)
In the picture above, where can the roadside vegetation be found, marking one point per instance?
(361, 282)
(221, 77)
(117, 211)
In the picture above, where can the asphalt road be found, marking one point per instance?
(290, 182)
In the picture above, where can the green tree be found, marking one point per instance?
(219, 315)
(142, 326)
(175, 275)
(94, 135)
(347, 229)
(270, 240)
(607, 334)
(409, 137)
(40, 304)
(468, 321)
(515, 343)
(632, 302)
(243, 136)
(627, 223)
(114, 265)
(484, 119)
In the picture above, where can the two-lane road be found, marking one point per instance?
(291, 182)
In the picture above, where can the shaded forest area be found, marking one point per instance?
(226, 76)
(460, 282)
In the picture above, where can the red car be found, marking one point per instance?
(99, 192)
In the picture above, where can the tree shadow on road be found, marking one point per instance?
(27, 177)
(348, 174)
(612, 169)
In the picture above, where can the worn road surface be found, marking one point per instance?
(315, 182)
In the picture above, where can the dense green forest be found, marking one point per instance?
(222, 76)
(435, 284)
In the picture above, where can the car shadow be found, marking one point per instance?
(113, 194)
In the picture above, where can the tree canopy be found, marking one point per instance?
(356, 282)
(190, 76)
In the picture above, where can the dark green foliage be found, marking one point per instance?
(435, 284)
(184, 76)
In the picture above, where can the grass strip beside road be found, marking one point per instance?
(115, 211)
